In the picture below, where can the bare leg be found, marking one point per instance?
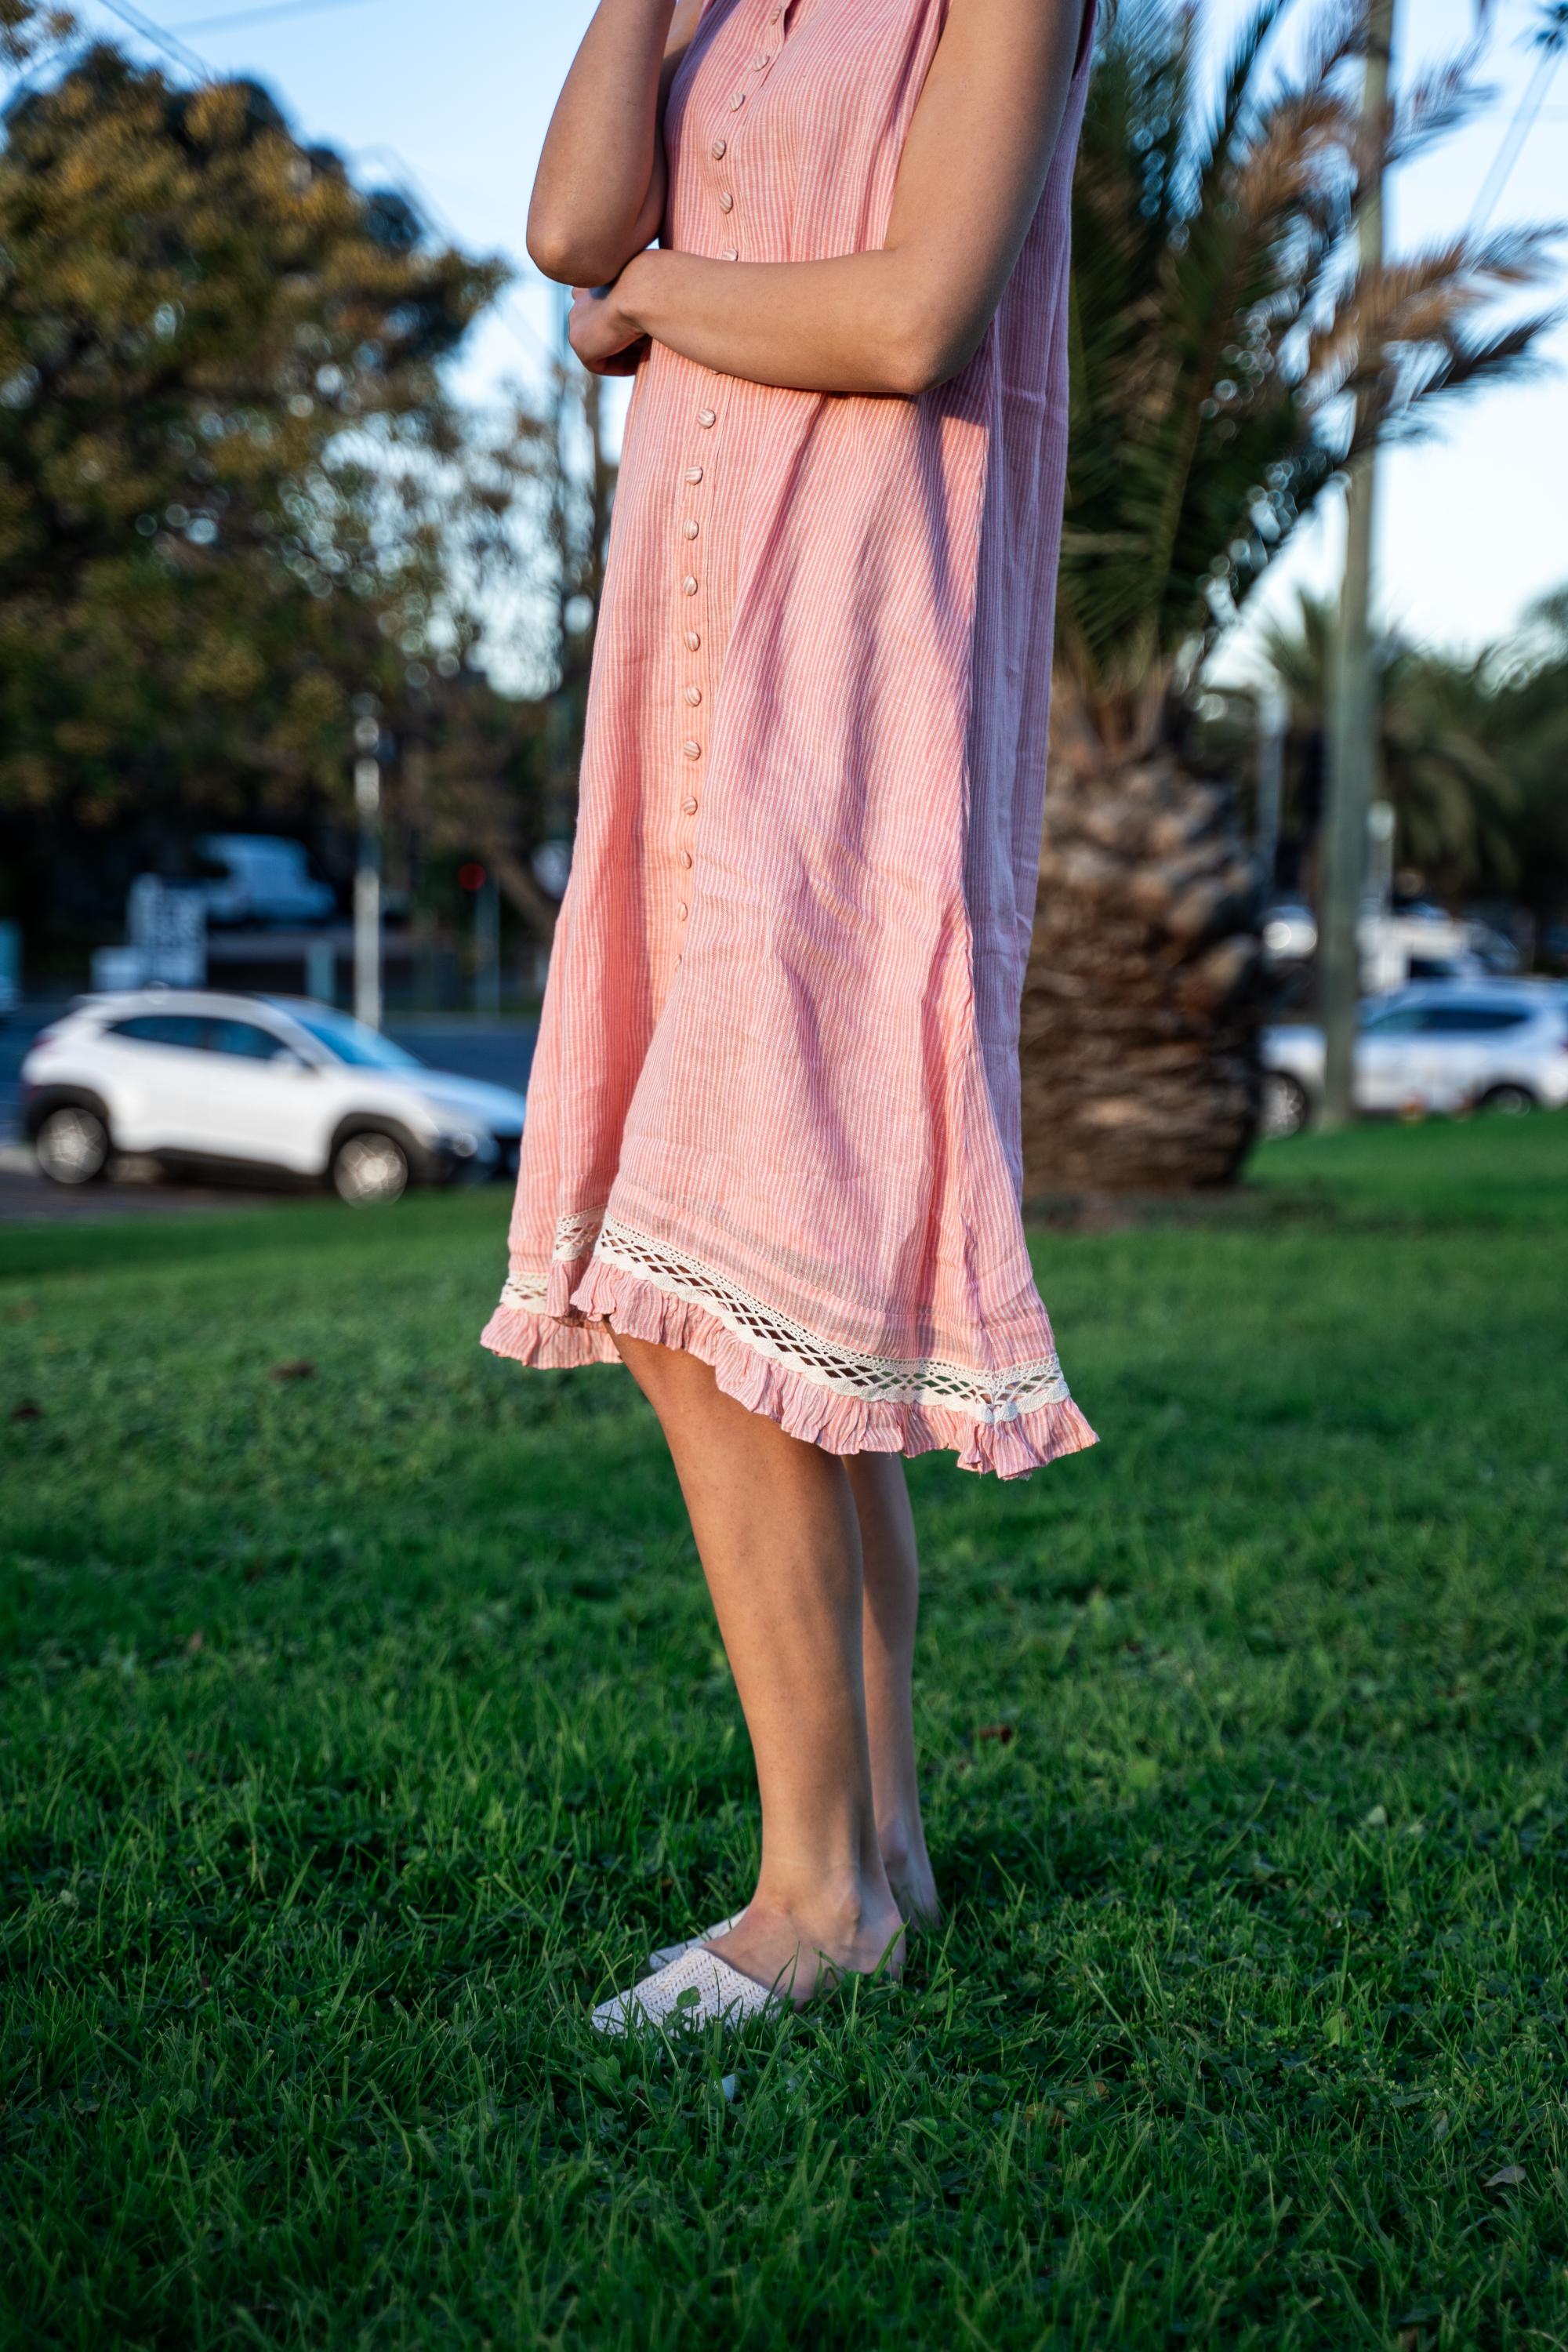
(892, 1584)
(779, 1541)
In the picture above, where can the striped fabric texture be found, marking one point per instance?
(774, 1113)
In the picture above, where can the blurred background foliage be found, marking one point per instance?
(236, 494)
(238, 497)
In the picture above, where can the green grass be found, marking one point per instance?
(357, 1731)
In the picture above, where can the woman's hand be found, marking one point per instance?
(603, 337)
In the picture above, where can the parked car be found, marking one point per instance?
(1290, 931)
(262, 878)
(1438, 1045)
(274, 1086)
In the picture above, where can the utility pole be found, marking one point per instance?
(1352, 725)
(367, 865)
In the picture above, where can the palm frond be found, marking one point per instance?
(1222, 356)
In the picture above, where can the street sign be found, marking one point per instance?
(168, 928)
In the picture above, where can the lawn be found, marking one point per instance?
(362, 1720)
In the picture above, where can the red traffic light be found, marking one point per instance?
(471, 877)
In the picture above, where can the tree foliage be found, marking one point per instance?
(233, 490)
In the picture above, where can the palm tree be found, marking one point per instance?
(1227, 359)
(1443, 768)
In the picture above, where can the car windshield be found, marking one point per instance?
(348, 1040)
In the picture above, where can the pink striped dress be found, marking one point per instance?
(773, 1112)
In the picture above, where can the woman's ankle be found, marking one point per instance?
(909, 1872)
(858, 1928)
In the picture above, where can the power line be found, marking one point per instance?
(1549, 41)
(260, 16)
(1514, 137)
(171, 46)
(412, 189)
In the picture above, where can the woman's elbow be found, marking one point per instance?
(556, 253)
(924, 353)
(561, 249)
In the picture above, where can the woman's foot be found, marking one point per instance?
(804, 1947)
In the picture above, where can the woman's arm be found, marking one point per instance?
(912, 314)
(598, 197)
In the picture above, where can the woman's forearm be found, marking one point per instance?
(599, 192)
(911, 314)
(858, 324)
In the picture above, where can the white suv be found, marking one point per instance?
(1439, 1045)
(277, 1085)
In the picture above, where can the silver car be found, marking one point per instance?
(1437, 1045)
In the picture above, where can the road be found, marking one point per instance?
(473, 1047)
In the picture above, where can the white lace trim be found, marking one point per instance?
(989, 1397)
(528, 1291)
(575, 1235)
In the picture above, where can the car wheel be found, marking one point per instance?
(1287, 1107)
(1509, 1098)
(370, 1170)
(72, 1145)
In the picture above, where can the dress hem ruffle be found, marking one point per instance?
(573, 1328)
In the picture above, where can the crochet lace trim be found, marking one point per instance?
(1004, 1394)
(574, 1238)
(575, 1235)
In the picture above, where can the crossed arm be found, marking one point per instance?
(896, 321)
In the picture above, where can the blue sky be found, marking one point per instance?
(1473, 525)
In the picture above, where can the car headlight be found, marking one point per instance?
(460, 1141)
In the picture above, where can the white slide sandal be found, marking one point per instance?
(663, 1955)
(698, 1989)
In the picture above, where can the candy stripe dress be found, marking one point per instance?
(773, 1112)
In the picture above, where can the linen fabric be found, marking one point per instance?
(773, 1112)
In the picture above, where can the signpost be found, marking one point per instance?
(367, 868)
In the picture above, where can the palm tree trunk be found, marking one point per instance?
(1145, 987)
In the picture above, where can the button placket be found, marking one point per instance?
(769, 40)
(696, 476)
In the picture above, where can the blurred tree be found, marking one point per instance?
(1440, 757)
(499, 780)
(234, 492)
(1219, 338)
(1528, 729)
